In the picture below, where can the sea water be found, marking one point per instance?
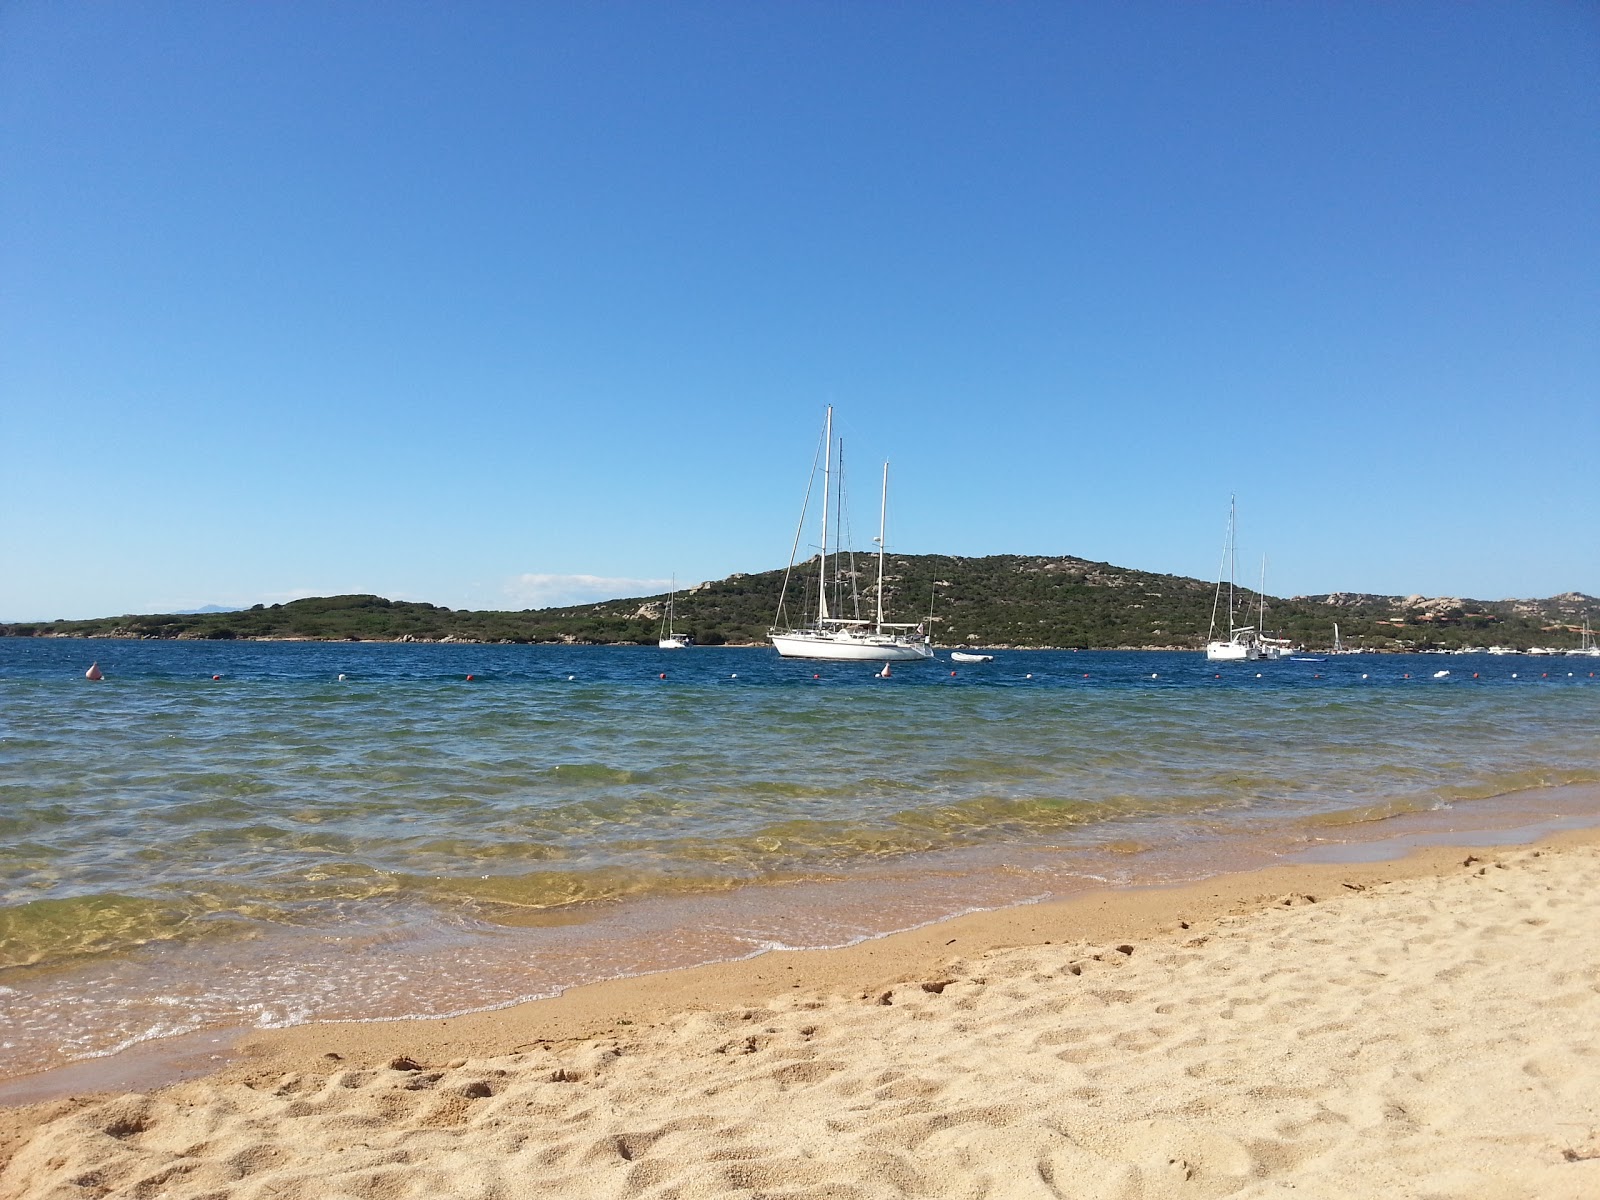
(245, 833)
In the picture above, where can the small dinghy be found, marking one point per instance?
(963, 656)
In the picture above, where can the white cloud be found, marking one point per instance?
(556, 591)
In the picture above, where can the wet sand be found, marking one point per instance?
(1413, 1028)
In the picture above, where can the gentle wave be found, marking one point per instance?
(162, 812)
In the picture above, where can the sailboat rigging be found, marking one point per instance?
(850, 639)
(1245, 643)
(670, 640)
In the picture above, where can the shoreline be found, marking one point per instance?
(750, 924)
(640, 1006)
(1302, 655)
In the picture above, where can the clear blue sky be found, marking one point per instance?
(464, 302)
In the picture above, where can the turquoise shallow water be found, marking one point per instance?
(280, 845)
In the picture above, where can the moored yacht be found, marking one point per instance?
(847, 639)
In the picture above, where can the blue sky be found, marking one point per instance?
(507, 304)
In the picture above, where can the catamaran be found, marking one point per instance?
(1245, 642)
(849, 639)
(1338, 643)
(668, 639)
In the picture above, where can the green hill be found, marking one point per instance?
(998, 600)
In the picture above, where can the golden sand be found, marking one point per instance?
(1418, 1029)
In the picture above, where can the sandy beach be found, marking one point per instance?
(1415, 1028)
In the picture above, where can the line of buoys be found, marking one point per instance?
(94, 672)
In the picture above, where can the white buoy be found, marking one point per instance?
(1513, 674)
(1258, 675)
(570, 678)
(884, 674)
(341, 678)
(1440, 674)
(735, 675)
(1027, 676)
(94, 672)
(1153, 675)
(1363, 677)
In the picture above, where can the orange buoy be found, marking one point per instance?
(816, 677)
(663, 675)
(216, 677)
(94, 672)
(469, 678)
(952, 672)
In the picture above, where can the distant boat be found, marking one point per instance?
(670, 640)
(1338, 643)
(1587, 649)
(1502, 650)
(1244, 642)
(963, 656)
(841, 638)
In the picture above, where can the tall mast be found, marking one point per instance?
(827, 473)
(883, 513)
(1233, 559)
(1261, 597)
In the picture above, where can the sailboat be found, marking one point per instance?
(1338, 643)
(840, 638)
(1587, 649)
(670, 640)
(1244, 642)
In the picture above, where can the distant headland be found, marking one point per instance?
(1001, 600)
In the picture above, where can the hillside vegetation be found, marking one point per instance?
(998, 600)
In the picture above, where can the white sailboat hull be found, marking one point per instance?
(1235, 652)
(673, 643)
(849, 647)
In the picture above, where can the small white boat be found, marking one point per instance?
(963, 656)
(1587, 649)
(668, 639)
(1245, 643)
